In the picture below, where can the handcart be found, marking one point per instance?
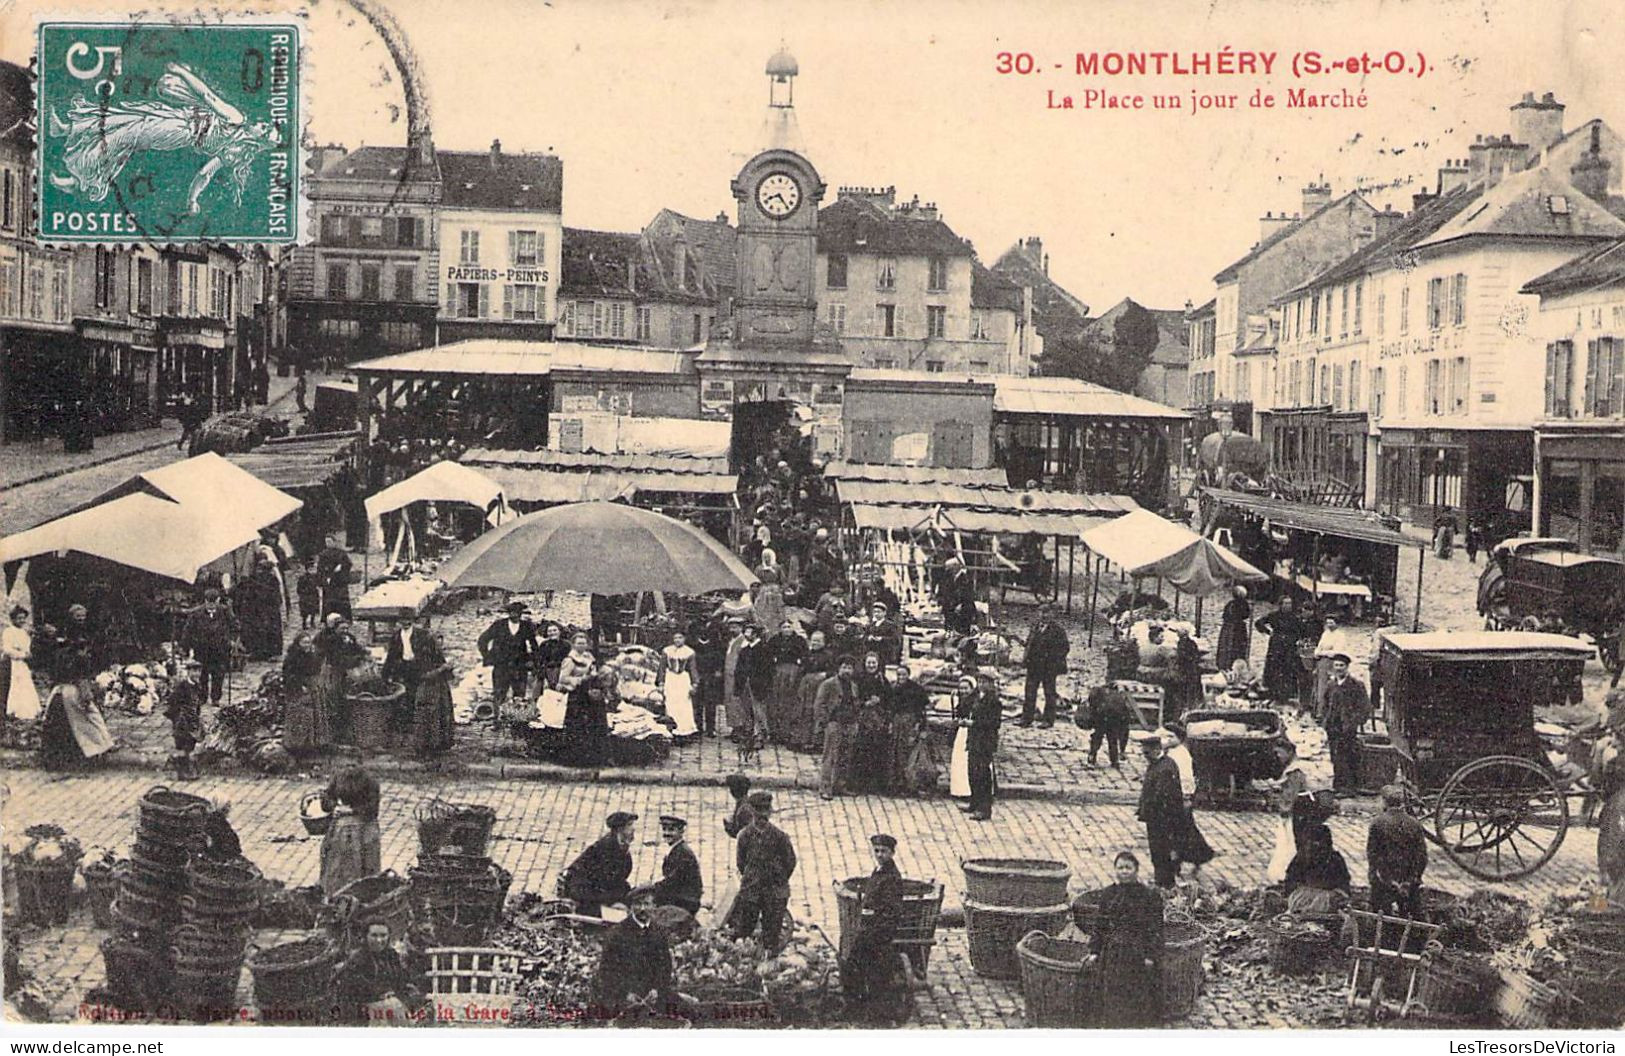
(1385, 955)
(1232, 747)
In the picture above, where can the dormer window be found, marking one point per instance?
(1558, 204)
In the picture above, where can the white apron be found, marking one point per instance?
(959, 765)
(22, 699)
(1286, 849)
(679, 691)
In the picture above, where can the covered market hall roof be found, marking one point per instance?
(878, 471)
(527, 358)
(898, 505)
(1072, 398)
(1325, 520)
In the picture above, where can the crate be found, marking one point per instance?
(476, 984)
(1147, 698)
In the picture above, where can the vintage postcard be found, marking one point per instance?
(803, 516)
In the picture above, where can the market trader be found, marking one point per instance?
(873, 959)
(680, 883)
(767, 860)
(508, 646)
(1347, 708)
(1396, 854)
(209, 632)
(1046, 651)
(635, 967)
(598, 876)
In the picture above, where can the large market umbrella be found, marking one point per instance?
(597, 548)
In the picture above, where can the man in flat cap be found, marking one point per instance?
(598, 876)
(1162, 809)
(680, 884)
(1347, 707)
(509, 646)
(1396, 854)
(766, 862)
(871, 964)
(635, 967)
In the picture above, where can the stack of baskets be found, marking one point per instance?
(456, 889)
(385, 898)
(293, 982)
(1006, 898)
(215, 928)
(139, 956)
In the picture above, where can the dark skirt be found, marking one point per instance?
(1189, 843)
(805, 720)
(432, 724)
(784, 704)
(305, 723)
(261, 617)
(329, 691)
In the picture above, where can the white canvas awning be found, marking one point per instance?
(441, 482)
(143, 532)
(1144, 544)
(213, 484)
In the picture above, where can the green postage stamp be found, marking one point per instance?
(169, 132)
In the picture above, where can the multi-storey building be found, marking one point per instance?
(621, 287)
(500, 223)
(1203, 343)
(196, 311)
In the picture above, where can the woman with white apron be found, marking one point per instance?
(959, 761)
(677, 678)
(1300, 800)
(16, 649)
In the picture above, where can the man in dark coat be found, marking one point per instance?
(1235, 631)
(1283, 670)
(1162, 809)
(412, 652)
(1047, 647)
(981, 745)
(598, 876)
(710, 654)
(635, 967)
(957, 597)
(680, 884)
(210, 629)
(508, 645)
(883, 636)
(1129, 942)
(1347, 708)
(1396, 853)
(767, 860)
(1112, 714)
(333, 567)
(871, 963)
(183, 707)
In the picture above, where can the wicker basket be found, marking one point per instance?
(135, 973)
(730, 1008)
(1182, 973)
(293, 978)
(370, 716)
(1016, 881)
(1055, 978)
(1524, 1004)
(993, 932)
(464, 827)
(101, 887)
(166, 806)
(916, 925)
(1454, 984)
(318, 824)
(44, 889)
(1295, 952)
(384, 898)
(230, 882)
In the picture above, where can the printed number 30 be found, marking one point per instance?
(80, 49)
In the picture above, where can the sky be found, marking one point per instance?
(655, 105)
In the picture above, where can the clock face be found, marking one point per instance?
(778, 195)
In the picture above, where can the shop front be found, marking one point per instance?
(39, 381)
(1463, 473)
(194, 360)
(1580, 484)
(119, 376)
(767, 394)
(1319, 451)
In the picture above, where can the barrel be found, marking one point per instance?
(1032, 882)
(993, 932)
(1182, 947)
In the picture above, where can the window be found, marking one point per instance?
(1309, 377)
(59, 293)
(835, 273)
(937, 274)
(1458, 301)
(1296, 384)
(582, 318)
(406, 284)
(524, 248)
(332, 230)
(645, 323)
(372, 282)
(1559, 379)
(1436, 298)
(401, 335)
(192, 271)
(345, 328)
(1405, 310)
(338, 282)
(617, 319)
(466, 299)
(406, 231)
(1286, 324)
(35, 290)
(699, 328)
(1337, 386)
(172, 286)
(567, 317)
(979, 330)
(1359, 307)
(1605, 378)
(469, 248)
(837, 318)
(1399, 390)
(1431, 380)
(1379, 381)
(8, 199)
(936, 321)
(1459, 385)
(886, 273)
(886, 319)
(372, 229)
(1298, 323)
(1314, 314)
(1326, 384)
(1382, 312)
(978, 366)
(885, 362)
(934, 366)
(8, 288)
(519, 301)
(1343, 318)
(1354, 385)
(1326, 312)
(106, 270)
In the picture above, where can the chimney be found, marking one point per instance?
(1590, 174)
(1033, 250)
(323, 156)
(1491, 159)
(928, 211)
(722, 218)
(1421, 200)
(883, 197)
(1538, 123)
(1269, 223)
(1316, 195)
(1387, 220)
(1452, 174)
(496, 153)
(1046, 265)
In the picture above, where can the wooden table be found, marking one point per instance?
(394, 601)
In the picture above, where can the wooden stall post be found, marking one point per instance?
(1071, 566)
(1416, 614)
(1094, 598)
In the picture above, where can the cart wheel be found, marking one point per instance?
(1501, 817)
(1373, 1010)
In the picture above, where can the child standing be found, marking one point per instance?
(184, 709)
(310, 596)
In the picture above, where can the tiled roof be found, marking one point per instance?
(1421, 224)
(1204, 312)
(16, 101)
(853, 225)
(1279, 236)
(597, 262)
(716, 242)
(1603, 266)
(378, 163)
(1056, 312)
(486, 180)
(989, 289)
(1523, 206)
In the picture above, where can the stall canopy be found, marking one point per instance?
(140, 531)
(575, 476)
(994, 478)
(296, 463)
(975, 508)
(1144, 544)
(920, 518)
(210, 484)
(441, 482)
(1324, 520)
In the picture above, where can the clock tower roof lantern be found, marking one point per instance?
(782, 64)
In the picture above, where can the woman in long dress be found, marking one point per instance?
(352, 848)
(959, 762)
(73, 730)
(16, 677)
(586, 724)
(432, 723)
(259, 611)
(305, 726)
(801, 733)
(677, 681)
(578, 665)
(787, 650)
(870, 770)
(339, 652)
(1283, 670)
(1130, 946)
(1235, 630)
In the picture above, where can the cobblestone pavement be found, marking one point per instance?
(541, 826)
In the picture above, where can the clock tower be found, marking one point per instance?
(777, 192)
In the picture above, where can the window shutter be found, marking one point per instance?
(507, 293)
(485, 300)
(1590, 404)
(451, 298)
(513, 247)
(1551, 380)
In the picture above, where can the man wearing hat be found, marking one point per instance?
(883, 636)
(598, 876)
(209, 632)
(635, 966)
(982, 745)
(1046, 651)
(1396, 854)
(957, 597)
(183, 707)
(766, 862)
(680, 884)
(508, 645)
(872, 961)
(1162, 809)
(1347, 707)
